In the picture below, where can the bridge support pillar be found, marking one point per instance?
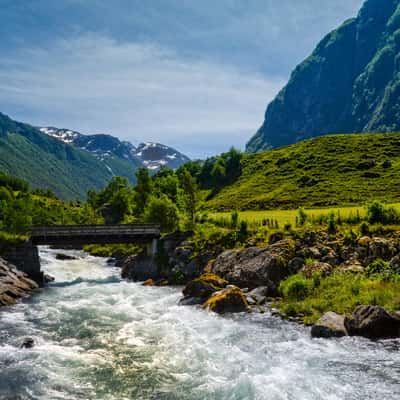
(152, 248)
(26, 258)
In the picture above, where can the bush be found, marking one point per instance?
(303, 216)
(331, 224)
(243, 231)
(364, 229)
(297, 287)
(378, 213)
(234, 219)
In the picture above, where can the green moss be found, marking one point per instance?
(231, 299)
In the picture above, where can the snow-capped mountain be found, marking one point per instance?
(155, 155)
(151, 155)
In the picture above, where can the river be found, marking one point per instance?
(99, 337)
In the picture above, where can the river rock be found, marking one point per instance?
(140, 267)
(329, 325)
(28, 343)
(231, 299)
(149, 282)
(14, 284)
(256, 266)
(64, 257)
(257, 296)
(373, 322)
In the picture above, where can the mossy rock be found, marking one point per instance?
(230, 299)
(149, 282)
(204, 286)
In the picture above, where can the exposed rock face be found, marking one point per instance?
(329, 325)
(373, 322)
(348, 84)
(14, 284)
(231, 299)
(256, 266)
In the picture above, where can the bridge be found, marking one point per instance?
(97, 234)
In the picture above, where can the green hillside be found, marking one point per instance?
(48, 163)
(326, 171)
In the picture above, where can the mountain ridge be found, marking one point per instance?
(150, 154)
(349, 84)
(47, 162)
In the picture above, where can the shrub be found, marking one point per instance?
(297, 287)
(364, 229)
(303, 216)
(378, 213)
(331, 224)
(243, 231)
(234, 219)
(287, 227)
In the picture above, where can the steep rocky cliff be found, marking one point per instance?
(350, 83)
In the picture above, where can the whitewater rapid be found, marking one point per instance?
(98, 337)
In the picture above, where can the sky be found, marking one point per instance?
(193, 74)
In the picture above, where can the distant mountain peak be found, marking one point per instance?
(151, 155)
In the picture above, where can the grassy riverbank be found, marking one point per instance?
(309, 298)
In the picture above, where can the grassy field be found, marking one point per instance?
(289, 216)
(330, 171)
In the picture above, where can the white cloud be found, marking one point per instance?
(136, 91)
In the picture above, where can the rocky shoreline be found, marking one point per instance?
(14, 284)
(246, 279)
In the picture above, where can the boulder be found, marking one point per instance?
(395, 264)
(329, 325)
(204, 286)
(353, 266)
(323, 268)
(275, 237)
(381, 248)
(48, 278)
(364, 241)
(373, 322)
(309, 238)
(295, 265)
(231, 299)
(140, 267)
(62, 256)
(256, 266)
(257, 296)
(27, 343)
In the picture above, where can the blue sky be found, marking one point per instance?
(193, 74)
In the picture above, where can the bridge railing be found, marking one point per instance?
(120, 230)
